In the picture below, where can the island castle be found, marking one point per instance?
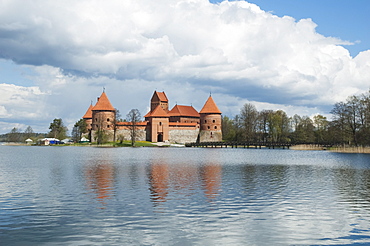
(181, 124)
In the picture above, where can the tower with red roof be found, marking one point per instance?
(103, 114)
(210, 122)
(158, 119)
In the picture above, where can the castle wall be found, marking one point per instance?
(183, 119)
(210, 136)
(183, 136)
(126, 134)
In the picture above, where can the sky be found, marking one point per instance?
(299, 56)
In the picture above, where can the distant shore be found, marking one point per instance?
(342, 149)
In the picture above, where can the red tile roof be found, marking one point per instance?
(210, 107)
(88, 114)
(157, 112)
(181, 110)
(162, 96)
(103, 103)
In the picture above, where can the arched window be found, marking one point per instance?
(215, 127)
(160, 123)
(208, 127)
(213, 121)
(205, 121)
(108, 119)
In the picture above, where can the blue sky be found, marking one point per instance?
(56, 56)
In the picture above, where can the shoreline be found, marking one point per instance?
(303, 147)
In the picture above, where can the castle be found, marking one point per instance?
(181, 124)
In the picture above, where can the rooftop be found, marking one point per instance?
(88, 114)
(103, 103)
(181, 110)
(157, 112)
(210, 107)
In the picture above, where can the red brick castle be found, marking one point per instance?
(181, 124)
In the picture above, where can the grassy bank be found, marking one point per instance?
(307, 147)
(348, 149)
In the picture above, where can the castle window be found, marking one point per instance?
(215, 127)
(160, 123)
(107, 126)
(214, 121)
(205, 121)
(208, 127)
(108, 119)
(96, 119)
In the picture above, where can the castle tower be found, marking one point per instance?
(159, 98)
(103, 114)
(158, 125)
(210, 122)
(88, 117)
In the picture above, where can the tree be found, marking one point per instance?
(349, 118)
(262, 125)
(57, 129)
(278, 124)
(248, 116)
(14, 135)
(133, 117)
(321, 128)
(304, 133)
(117, 118)
(79, 128)
(29, 133)
(228, 131)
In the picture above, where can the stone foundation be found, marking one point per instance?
(210, 136)
(183, 136)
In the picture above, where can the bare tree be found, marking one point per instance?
(14, 135)
(249, 116)
(117, 118)
(133, 117)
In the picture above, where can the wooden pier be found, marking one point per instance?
(239, 144)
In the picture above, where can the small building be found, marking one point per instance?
(29, 141)
(84, 140)
(49, 141)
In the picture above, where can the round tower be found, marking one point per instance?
(103, 114)
(210, 122)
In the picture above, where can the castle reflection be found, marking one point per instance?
(180, 181)
(158, 179)
(212, 180)
(99, 179)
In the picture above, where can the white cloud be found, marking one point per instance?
(132, 47)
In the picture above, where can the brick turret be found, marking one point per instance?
(103, 114)
(210, 122)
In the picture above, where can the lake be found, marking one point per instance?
(182, 196)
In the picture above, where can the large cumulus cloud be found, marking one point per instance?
(234, 49)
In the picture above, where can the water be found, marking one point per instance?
(185, 196)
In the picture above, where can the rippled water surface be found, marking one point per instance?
(184, 196)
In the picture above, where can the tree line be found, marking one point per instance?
(350, 125)
(17, 135)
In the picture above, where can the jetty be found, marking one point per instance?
(239, 144)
